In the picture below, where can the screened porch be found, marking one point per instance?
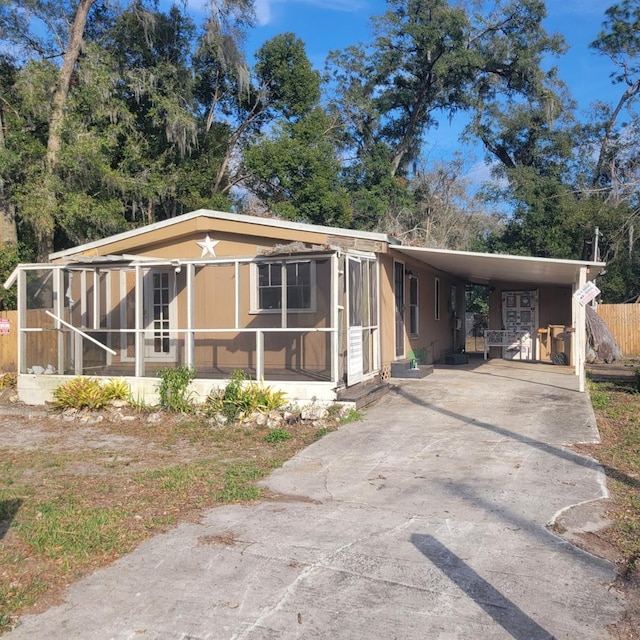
(291, 318)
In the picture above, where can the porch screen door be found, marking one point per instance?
(354, 321)
(158, 300)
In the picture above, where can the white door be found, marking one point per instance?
(159, 295)
(520, 318)
(355, 371)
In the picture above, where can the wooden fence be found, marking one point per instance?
(9, 342)
(42, 347)
(623, 320)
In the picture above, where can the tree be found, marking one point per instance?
(283, 87)
(121, 117)
(445, 214)
(619, 40)
(295, 172)
(428, 59)
(9, 161)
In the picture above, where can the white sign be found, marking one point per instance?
(5, 326)
(587, 293)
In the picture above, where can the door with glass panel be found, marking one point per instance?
(159, 294)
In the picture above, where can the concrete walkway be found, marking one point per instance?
(426, 520)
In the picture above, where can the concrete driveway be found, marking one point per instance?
(426, 520)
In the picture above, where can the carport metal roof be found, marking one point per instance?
(485, 268)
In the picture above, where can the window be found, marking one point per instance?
(413, 306)
(437, 298)
(300, 282)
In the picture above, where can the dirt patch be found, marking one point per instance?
(80, 489)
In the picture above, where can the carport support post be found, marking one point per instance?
(580, 324)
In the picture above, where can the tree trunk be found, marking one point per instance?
(8, 229)
(59, 102)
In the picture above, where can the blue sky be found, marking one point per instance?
(326, 25)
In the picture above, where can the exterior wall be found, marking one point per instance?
(387, 313)
(554, 308)
(436, 337)
(214, 308)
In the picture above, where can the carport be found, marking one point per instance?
(552, 284)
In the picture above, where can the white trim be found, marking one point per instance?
(108, 317)
(122, 289)
(501, 256)
(237, 295)
(59, 294)
(580, 334)
(484, 268)
(254, 288)
(355, 354)
(139, 322)
(396, 355)
(416, 333)
(335, 317)
(189, 335)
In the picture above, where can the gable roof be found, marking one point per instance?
(276, 223)
(480, 268)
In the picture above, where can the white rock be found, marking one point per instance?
(314, 412)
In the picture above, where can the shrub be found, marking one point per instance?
(117, 389)
(241, 397)
(81, 393)
(8, 380)
(173, 390)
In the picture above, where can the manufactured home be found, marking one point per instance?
(318, 312)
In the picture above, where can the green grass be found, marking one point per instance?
(277, 435)
(617, 409)
(599, 399)
(353, 415)
(67, 529)
(238, 479)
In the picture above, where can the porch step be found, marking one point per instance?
(364, 394)
(403, 369)
(457, 358)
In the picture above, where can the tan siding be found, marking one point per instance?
(623, 321)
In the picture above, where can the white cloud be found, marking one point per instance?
(264, 11)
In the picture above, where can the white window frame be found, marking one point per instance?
(436, 298)
(255, 286)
